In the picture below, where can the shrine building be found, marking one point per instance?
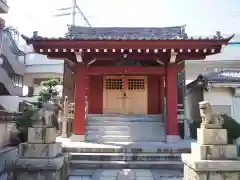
(130, 71)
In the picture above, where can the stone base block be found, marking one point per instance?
(41, 135)
(213, 152)
(77, 138)
(42, 169)
(210, 165)
(211, 126)
(172, 138)
(211, 136)
(193, 175)
(39, 150)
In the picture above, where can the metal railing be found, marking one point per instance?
(14, 37)
(5, 1)
(11, 51)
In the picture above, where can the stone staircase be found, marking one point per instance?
(122, 128)
(86, 160)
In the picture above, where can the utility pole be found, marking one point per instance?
(74, 3)
(71, 11)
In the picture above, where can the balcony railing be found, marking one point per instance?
(3, 7)
(14, 38)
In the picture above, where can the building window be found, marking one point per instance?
(136, 84)
(17, 80)
(113, 84)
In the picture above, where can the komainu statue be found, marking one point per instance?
(210, 119)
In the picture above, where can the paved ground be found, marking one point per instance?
(7, 156)
(181, 144)
(130, 174)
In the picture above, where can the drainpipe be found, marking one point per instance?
(2, 24)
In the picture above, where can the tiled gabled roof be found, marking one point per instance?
(224, 76)
(125, 33)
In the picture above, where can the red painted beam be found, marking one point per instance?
(94, 70)
(133, 44)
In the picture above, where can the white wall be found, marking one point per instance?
(36, 59)
(5, 129)
(219, 96)
(28, 79)
(39, 66)
(44, 68)
(11, 103)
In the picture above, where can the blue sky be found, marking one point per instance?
(200, 16)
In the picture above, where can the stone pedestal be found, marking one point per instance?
(41, 158)
(211, 158)
(64, 129)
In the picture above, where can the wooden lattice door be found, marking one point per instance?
(112, 95)
(125, 95)
(136, 92)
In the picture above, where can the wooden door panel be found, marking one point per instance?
(136, 92)
(130, 99)
(114, 102)
(112, 94)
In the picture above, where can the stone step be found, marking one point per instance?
(117, 132)
(112, 128)
(127, 156)
(120, 149)
(108, 132)
(161, 174)
(124, 117)
(80, 164)
(82, 172)
(124, 123)
(123, 128)
(125, 138)
(119, 127)
(122, 131)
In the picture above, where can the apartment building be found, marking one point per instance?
(11, 64)
(39, 68)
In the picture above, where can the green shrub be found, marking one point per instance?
(230, 124)
(28, 116)
(24, 121)
(193, 129)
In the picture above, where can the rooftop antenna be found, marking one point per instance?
(73, 13)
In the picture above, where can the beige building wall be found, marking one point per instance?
(5, 129)
(221, 100)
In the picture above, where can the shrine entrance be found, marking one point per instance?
(125, 94)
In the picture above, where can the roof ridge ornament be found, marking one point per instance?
(35, 34)
(218, 34)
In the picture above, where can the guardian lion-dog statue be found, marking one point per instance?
(210, 120)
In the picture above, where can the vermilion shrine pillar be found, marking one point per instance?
(162, 93)
(79, 113)
(171, 103)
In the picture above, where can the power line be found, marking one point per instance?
(71, 11)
